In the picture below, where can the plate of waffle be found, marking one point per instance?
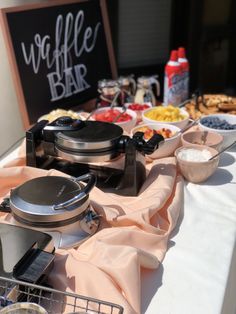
(211, 104)
(57, 113)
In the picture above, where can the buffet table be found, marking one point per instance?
(198, 273)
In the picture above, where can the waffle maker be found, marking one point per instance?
(57, 205)
(76, 147)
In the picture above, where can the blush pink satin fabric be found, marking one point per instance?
(133, 235)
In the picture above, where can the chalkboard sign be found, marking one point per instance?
(58, 52)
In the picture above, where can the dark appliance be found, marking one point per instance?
(76, 147)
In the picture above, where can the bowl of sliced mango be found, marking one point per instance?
(166, 114)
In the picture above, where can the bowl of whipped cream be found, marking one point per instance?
(195, 162)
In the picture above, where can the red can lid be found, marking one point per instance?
(174, 55)
(181, 52)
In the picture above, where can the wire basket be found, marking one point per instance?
(53, 301)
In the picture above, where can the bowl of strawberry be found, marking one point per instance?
(126, 119)
(138, 108)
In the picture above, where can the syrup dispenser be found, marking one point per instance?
(109, 91)
(128, 88)
(144, 92)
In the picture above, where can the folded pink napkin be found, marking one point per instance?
(133, 235)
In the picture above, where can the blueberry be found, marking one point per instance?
(217, 123)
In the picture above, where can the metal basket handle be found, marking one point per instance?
(91, 178)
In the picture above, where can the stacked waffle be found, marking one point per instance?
(210, 104)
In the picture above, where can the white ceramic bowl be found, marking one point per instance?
(197, 171)
(180, 124)
(229, 136)
(197, 137)
(126, 125)
(170, 144)
(23, 308)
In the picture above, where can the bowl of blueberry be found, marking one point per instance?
(224, 124)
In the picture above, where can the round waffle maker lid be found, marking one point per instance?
(51, 199)
(94, 136)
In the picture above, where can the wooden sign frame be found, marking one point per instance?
(12, 57)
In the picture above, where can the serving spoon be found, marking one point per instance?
(123, 110)
(223, 150)
(188, 126)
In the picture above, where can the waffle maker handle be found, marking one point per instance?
(91, 178)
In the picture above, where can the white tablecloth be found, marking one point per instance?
(198, 274)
